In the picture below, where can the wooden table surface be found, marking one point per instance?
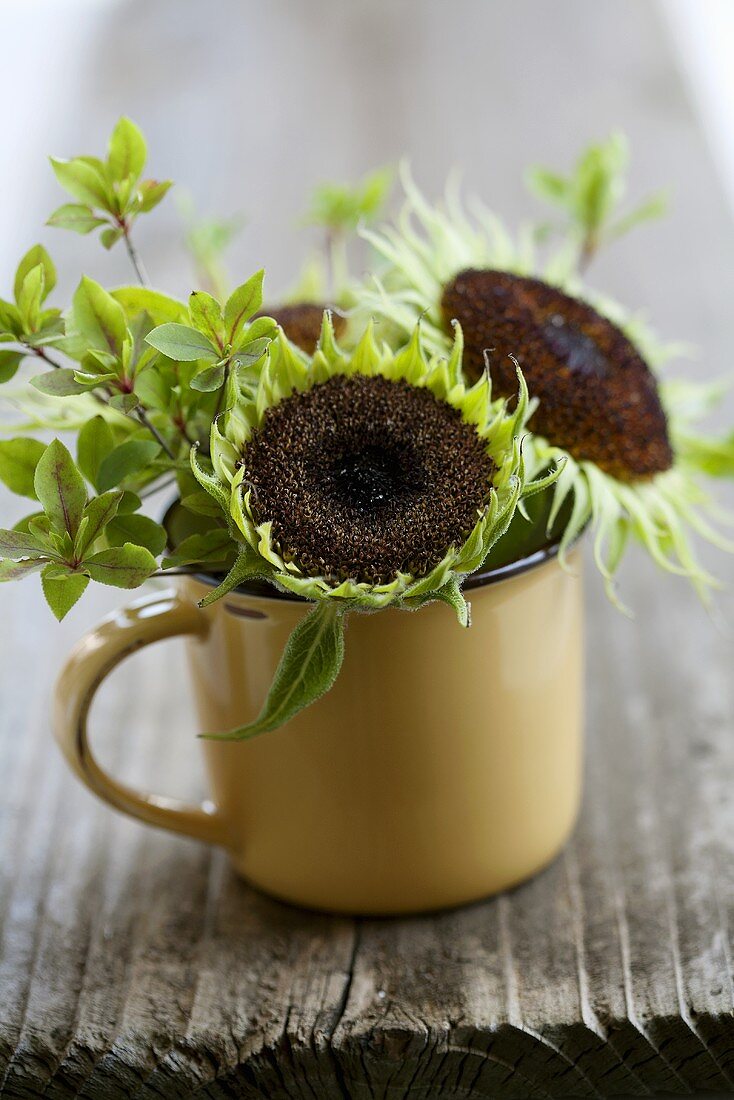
(134, 964)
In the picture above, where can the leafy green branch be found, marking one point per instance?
(339, 209)
(110, 193)
(591, 196)
(153, 403)
(218, 339)
(62, 541)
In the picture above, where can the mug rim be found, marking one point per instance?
(547, 552)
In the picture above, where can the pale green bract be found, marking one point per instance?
(426, 248)
(310, 667)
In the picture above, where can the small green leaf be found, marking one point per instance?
(151, 192)
(212, 546)
(241, 304)
(77, 218)
(136, 300)
(309, 666)
(341, 207)
(21, 544)
(98, 317)
(206, 381)
(126, 151)
(122, 566)
(206, 316)
(250, 353)
(653, 207)
(24, 523)
(110, 237)
(16, 570)
(83, 180)
(140, 530)
(201, 504)
(125, 460)
(94, 442)
(10, 322)
(182, 342)
(98, 513)
(30, 298)
(9, 363)
(18, 461)
(62, 587)
(261, 327)
(33, 257)
(125, 402)
(548, 185)
(60, 488)
(59, 383)
(130, 502)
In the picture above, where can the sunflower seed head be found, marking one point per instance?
(598, 398)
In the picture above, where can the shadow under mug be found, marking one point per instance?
(443, 766)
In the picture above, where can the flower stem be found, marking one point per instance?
(140, 413)
(135, 260)
(156, 488)
(147, 423)
(46, 358)
(589, 248)
(58, 366)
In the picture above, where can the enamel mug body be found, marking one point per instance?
(443, 766)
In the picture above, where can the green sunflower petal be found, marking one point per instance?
(247, 567)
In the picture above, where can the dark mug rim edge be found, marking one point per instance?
(481, 579)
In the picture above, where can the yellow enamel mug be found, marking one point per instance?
(444, 765)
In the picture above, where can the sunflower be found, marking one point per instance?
(633, 458)
(361, 481)
(301, 322)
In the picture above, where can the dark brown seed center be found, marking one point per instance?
(598, 397)
(370, 477)
(363, 478)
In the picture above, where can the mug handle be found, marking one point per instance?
(164, 615)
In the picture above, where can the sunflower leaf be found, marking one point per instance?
(309, 666)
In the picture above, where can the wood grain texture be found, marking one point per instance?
(134, 964)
